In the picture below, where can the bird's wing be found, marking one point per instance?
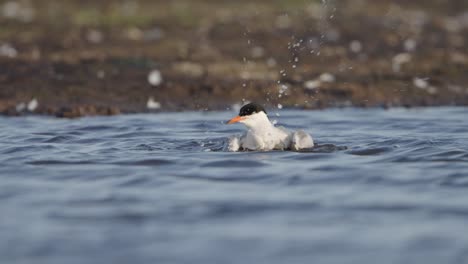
(301, 140)
(251, 141)
(233, 144)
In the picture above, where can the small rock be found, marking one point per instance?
(155, 78)
(152, 104)
(153, 34)
(190, 69)
(283, 22)
(424, 85)
(67, 112)
(420, 83)
(432, 90)
(90, 110)
(458, 57)
(314, 10)
(327, 78)
(453, 25)
(10, 112)
(7, 50)
(32, 105)
(257, 52)
(134, 33)
(333, 35)
(19, 10)
(95, 36)
(312, 84)
(355, 46)
(271, 62)
(113, 110)
(101, 74)
(36, 53)
(399, 60)
(455, 88)
(20, 107)
(11, 9)
(410, 45)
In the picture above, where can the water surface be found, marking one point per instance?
(382, 187)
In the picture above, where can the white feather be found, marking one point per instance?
(262, 135)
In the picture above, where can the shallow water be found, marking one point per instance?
(382, 187)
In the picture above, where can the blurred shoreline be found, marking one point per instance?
(77, 58)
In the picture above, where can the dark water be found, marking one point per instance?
(382, 187)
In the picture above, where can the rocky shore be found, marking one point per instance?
(75, 58)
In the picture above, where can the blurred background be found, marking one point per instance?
(73, 58)
(383, 184)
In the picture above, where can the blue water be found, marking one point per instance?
(383, 186)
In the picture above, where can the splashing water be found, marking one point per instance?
(296, 46)
(327, 14)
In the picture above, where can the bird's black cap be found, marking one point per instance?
(251, 108)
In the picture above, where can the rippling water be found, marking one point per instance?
(381, 187)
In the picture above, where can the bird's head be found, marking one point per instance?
(252, 115)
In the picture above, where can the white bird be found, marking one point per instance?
(262, 135)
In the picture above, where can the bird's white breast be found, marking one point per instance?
(272, 139)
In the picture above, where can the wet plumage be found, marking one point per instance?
(262, 135)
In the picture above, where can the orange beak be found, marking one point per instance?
(235, 119)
